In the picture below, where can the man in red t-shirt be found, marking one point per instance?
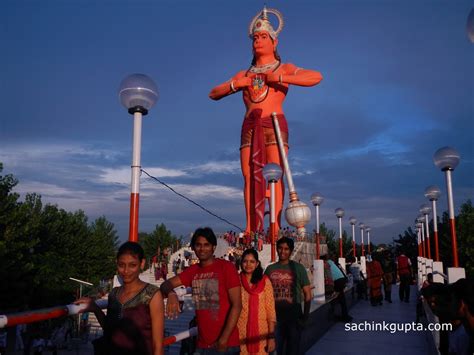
(405, 277)
(216, 295)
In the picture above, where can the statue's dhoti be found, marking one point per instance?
(257, 133)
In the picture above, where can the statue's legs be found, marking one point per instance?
(273, 156)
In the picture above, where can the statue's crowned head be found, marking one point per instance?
(261, 23)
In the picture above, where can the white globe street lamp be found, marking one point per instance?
(447, 159)
(353, 222)
(418, 232)
(138, 94)
(339, 214)
(272, 173)
(362, 226)
(317, 199)
(425, 211)
(433, 193)
(368, 229)
(421, 219)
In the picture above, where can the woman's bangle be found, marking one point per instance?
(232, 88)
(280, 79)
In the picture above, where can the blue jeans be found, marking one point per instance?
(231, 350)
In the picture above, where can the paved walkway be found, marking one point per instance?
(339, 340)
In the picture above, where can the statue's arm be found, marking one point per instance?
(291, 74)
(231, 86)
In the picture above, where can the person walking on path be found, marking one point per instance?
(405, 276)
(340, 281)
(388, 267)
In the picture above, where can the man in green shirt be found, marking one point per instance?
(291, 287)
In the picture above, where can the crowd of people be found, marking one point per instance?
(453, 304)
(259, 311)
(256, 311)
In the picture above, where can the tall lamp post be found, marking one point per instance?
(447, 159)
(433, 193)
(353, 221)
(138, 93)
(272, 173)
(368, 229)
(317, 199)
(339, 214)
(362, 226)
(425, 211)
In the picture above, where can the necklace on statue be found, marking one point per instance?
(259, 69)
(259, 89)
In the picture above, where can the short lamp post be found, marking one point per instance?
(368, 229)
(433, 193)
(272, 173)
(339, 214)
(425, 211)
(317, 199)
(421, 220)
(362, 226)
(353, 222)
(447, 159)
(418, 232)
(138, 93)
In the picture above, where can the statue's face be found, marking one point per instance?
(263, 43)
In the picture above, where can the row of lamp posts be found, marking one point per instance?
(317, 199)
(446, 159)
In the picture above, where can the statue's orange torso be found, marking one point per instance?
(273, 101)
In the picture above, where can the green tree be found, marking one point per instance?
(42, 246)
(101, 250)
(465, 237)
(157, 241)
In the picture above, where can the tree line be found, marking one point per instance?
(42, 245)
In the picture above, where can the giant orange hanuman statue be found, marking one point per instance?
(264, 87)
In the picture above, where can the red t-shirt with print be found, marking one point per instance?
(210, 285)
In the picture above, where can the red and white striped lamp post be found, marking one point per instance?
(433, 193)
(339, 214)
(272, 173)
(420, 219)
(447, 159)
(317, 199)
(368, 229)
(353, 222)
(138, 93)
(362, 226)
(425, 211)
(342, 260)
(418, 233)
